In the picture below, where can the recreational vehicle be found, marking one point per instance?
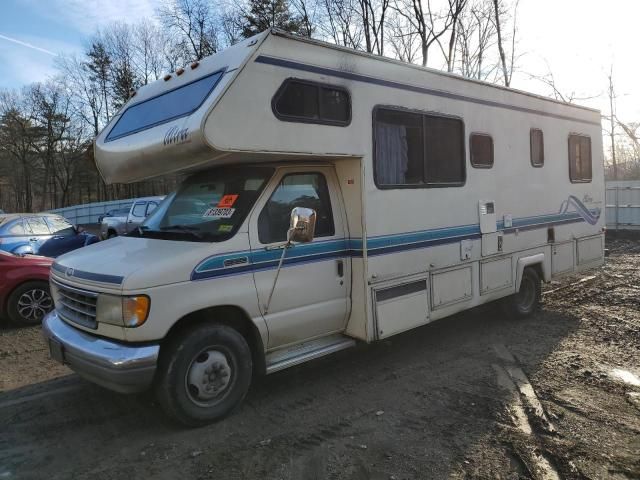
(330, 197)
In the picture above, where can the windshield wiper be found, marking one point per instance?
(194, 231)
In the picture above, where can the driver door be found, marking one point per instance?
(311, 297)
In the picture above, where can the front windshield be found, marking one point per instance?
(208, 207)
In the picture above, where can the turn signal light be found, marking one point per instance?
(135, 310)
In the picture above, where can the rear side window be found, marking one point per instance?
(139, 210)
(168, 106)
(38, 226)
(151, 207)
(579, 158)
(60, 226)
(307, 190)
(481, 150)
(536, 142)
(417, 150)
(311, 102)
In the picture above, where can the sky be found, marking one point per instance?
(578, 40)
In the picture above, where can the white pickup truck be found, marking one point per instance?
(120, 225)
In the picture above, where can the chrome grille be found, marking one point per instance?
(75, 305)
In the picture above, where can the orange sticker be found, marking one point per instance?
(227, 201)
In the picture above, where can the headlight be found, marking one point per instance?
(123, 311)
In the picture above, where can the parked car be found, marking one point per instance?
(119, 225)
(43, 234)
(24, 288)
(116, 212)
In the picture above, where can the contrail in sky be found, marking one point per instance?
(28, 45)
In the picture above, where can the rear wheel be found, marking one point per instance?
(204, 373)
(111, 234)
(527, 300)
(29, 303)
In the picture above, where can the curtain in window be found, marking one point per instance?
(392, 158)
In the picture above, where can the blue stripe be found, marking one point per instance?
(96, 277)
(261, 260)
(304, 67)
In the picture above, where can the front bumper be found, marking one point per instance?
(115, 365)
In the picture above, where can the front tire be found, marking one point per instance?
(527, 300)
(29, 303)
(204, 373)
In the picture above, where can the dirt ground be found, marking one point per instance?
(478, 395)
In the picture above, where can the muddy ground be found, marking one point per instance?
(478, 395)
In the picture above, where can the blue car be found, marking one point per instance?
(43, 234)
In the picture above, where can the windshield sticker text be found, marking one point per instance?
(219, 212)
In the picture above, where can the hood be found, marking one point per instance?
(131, 263)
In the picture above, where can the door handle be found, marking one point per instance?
(33, 239)
(340, 268)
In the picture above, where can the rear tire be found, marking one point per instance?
(29, 303)
(111, 234)
(527, 300)
(204, 373)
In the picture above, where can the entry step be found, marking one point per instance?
(303, 352)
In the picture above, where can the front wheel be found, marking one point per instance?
(527, 300)
(204, 373)
(29, 303)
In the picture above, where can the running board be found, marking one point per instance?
(288, 357)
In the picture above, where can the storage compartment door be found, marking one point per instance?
(401, 307)
(562, 258)
(451, 286)
(590, 250)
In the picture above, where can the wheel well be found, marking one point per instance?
(537, 267)
(230, 316)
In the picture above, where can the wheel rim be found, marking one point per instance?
(34, 304)
(527, 294)
(209, 377)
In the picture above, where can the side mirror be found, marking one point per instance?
(303, 225)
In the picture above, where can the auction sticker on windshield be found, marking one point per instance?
(227, 201)
(219, 212)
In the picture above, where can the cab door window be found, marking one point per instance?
(38, 226)
(307, 190)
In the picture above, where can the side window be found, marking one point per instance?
(481, 150)
(311, 102)
(536, 142)
(16, 228)
(417, 150)
(60, 226)
(38, 226)
(579, 158)
(138, 210)
(151, 207)
(296, 190)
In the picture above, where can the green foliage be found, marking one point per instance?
(266, 14)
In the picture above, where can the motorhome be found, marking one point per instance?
(331, 197)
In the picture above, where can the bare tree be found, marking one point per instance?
(340, 23)
(429, 25)
(403, 38)
(193, 24)
(476, 34)
(501, 15)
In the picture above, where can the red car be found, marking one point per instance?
(24, 288)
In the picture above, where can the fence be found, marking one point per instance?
(89, 212)
(622, 200)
